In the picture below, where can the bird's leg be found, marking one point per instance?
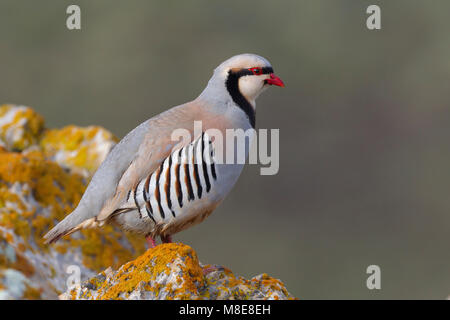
(150, 241)
(166, 239)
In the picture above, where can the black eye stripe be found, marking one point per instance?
(267, 70)
(247, 72)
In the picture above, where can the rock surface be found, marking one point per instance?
(43, 173)
(172, 271)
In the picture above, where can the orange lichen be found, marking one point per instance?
(270, 283)
(151, 264)
(103, 249)
(9, 238)
(32, 293)
(172, 271)
(50, 185)
(23, 129)
(78, 146)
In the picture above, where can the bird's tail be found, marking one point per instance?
(68, 226)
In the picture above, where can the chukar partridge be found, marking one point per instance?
(143, 187)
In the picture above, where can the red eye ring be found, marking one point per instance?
(256, 71)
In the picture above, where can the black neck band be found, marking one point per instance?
(232, 85)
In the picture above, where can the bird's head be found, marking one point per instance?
(241, 78)
(245, 75)
(249, 74)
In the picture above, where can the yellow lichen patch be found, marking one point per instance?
(150, 265)
(50, 185)
(78, 148)
(20, 126)
(103, 248)
(9, 238)
(12, 220)
(31, 293)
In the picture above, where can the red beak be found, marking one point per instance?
(274, 80)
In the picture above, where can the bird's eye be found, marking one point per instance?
(256, 71)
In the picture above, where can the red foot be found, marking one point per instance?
(166, 239)
(150, 241)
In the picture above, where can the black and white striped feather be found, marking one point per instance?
(187, 175)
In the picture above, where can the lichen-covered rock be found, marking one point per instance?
(35, 193)
(172, 271)
(79, 149)
(20, 127)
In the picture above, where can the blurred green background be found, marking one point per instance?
(364, 124)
